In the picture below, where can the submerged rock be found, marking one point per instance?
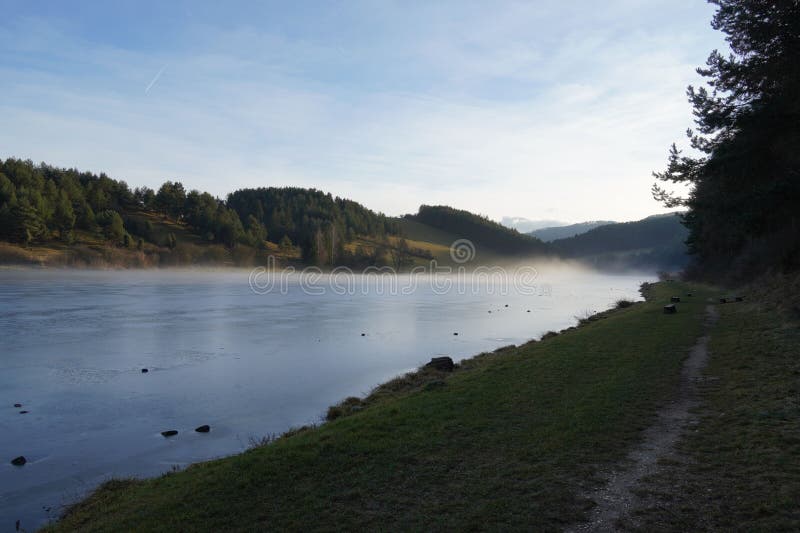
(17, 405)
(19, 461)
(441, 363)
(23, 412)
(169, 433)
(145, 371)
(205, 428)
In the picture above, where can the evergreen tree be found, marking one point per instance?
(64, 216)
(745, 184)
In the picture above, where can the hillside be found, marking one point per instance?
(68, 217)
(562, 232)
(441, 224)
(653, 242)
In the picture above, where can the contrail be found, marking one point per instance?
(155, 79)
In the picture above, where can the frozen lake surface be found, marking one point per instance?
(73, 343)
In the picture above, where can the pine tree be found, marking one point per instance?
(745, 184)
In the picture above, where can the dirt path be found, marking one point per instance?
(617, 497)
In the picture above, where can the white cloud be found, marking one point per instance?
(521, 110)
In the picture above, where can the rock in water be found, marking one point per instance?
(17, 405)
(442, 363)
(145, 371)
(205, 428)
(169, 433)
(19, 461)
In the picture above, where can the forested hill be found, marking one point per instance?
(480, 230)
(654, 242)
(67, 209)
(319, 223)
(550, 234)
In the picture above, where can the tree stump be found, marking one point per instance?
(441, 363)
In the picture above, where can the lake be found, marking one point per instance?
(250, 355)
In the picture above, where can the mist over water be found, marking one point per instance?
(249, 364)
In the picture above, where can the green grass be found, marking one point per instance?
(742, 463)
(509, 441)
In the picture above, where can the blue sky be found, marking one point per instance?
(545, 110)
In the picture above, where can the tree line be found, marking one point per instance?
(40, 203)
(744, 169)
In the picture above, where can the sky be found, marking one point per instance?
(544, 109)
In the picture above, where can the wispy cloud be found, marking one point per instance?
(155, 79)
(517, 109)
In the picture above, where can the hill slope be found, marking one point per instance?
(562, 232)
(653, 242)
(484, 234)
(59, 216)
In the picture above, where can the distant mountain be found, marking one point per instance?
(525, 225)
(485, 234)
(656, 242)
(562, 232)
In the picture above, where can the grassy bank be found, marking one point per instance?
(740, 468)
(511, 441)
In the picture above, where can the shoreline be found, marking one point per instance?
(463, 346)
(405, 388)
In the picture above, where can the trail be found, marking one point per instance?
(617, 498)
